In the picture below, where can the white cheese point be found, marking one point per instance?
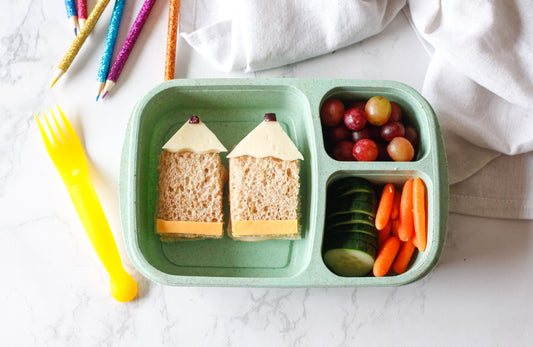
(194, 138)
(267, 140)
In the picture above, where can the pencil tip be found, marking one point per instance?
(75, 32)
(97, 97)
(103, 96)
(53, 82)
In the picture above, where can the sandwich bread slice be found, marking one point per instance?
(190, 185)
(264, 185)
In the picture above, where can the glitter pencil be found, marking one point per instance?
(82, 12)
(172, 33)
(72, 14)
(110, 40)
(125, 51)
(79, 40)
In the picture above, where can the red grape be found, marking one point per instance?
(378, 110)
(377, 121)
(396, 112)
(355, 119)
(364, 133)
(343, 151)
(412, 135)
(365, 150)
(357, 104)
(400, 149)
(391, 130)
(374, 132)
(332, 112)
(338, 133)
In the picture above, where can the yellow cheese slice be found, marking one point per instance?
(264, 227)
(191, 228)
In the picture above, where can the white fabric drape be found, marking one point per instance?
(479, 81)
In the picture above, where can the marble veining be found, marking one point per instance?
(56, 293)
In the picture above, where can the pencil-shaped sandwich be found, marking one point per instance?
(190, 186)
(264, 185)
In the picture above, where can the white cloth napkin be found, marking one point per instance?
(480, 79)
(480, 82)
(265, 34)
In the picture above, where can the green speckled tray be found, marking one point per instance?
(233, 107)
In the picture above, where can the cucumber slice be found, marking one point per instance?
(349, 257)
(349, 219)
(345, 183)
(366, 207)
(346, 200)
(354, 228)
(338, 238)
(358, 203)
(354, 190)
(348, 262)
(348, 222)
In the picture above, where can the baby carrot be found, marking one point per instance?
(384, 234)
(419, 214)
(404, 256)
(386, 256)
(405, 220)
(385, 206)
(396, 205)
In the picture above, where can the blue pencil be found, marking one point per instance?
(72, 14)
(110, 40)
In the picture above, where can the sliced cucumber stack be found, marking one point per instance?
(350, 238)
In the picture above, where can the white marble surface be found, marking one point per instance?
(55, 292)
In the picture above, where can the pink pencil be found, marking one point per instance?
(82, 12)
(125, 51)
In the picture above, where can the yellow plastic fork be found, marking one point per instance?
(66, 152)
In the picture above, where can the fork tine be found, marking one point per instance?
(59, 129)
(46, 140)
(70, 131)
(55, 140)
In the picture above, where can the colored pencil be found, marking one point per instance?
(125, 51)
(172, 34)
(79, 40)
(82, 12)
(72, 14)
(110, 41)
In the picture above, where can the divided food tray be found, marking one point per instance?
(233, 107)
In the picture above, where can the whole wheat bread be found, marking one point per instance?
(190, 189)
(263, 189)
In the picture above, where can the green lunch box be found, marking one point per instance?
(231, 108)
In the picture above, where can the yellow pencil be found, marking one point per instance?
(79, 40)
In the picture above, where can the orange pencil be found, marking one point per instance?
(172, 34)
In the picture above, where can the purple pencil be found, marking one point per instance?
(125, 51)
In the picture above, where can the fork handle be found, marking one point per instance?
(97, 228)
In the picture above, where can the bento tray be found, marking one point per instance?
(233, 107)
